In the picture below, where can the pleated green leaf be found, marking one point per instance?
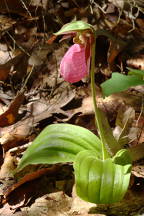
(101, 181)
(60, 143)
(73, 26)
(122, 157)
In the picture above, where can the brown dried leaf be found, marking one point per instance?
(79, 206)
(41, 109)
(113, 52)
(140, 23)
(138, 170)
(19, 63)
(10, 116)
(125, 117)
(110, 104)
(4, 72)
(31, 176)
(6, 210)
(137, 62)
(54, 204)
(7, 167)
(15, 6)
(15, 135)
(5, 21)
(136, 133)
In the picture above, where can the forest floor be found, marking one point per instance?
(34, 95)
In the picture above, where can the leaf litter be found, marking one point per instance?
(33, 95)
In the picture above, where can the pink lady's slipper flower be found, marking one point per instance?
(73, 65)
(76, 62)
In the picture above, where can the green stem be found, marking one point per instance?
(96, 110)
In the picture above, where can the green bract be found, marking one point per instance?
(74, 26)
(102, 181)
(60, 143)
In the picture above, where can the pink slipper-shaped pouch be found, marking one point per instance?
(73, 66)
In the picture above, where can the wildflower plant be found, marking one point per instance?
(102, 169)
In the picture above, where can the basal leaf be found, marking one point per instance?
(120, 82)
(100, 181)
(73, 26)
(122, 157)
(60, 143)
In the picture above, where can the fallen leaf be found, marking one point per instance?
(16, 6)
(4, 72)
(125, 117)
(19, 62)
(113, 52)
(140, 23)
(79, 206)
(6, 210)
(31, 176)
(138, 170)
(136, 133)
(16, 134)
(109, 105)
(10, 116)
(7, 167)
(6, 173)
(6, 22)
(137, 62)
(54, 204)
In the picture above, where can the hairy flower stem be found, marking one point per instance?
(96, 110)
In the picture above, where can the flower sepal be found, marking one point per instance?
(73, 27)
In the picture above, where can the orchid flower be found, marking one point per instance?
(75, 64)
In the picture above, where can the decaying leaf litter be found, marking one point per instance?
(33, 95)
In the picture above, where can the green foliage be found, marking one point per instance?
(74, 26)
(102, 181)
(136, 72)
(60, 143)
(122, 157)
(120, 82)
(97, 180)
